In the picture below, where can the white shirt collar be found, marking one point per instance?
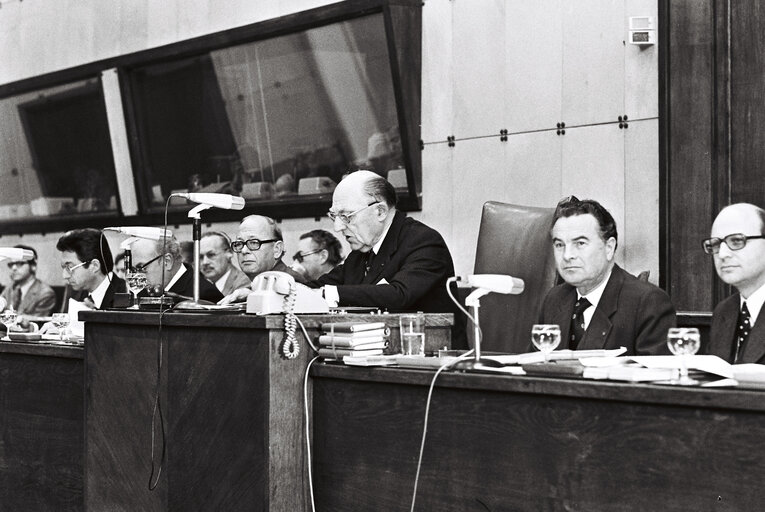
(221, 283)
(376, 247)
(594, 298)
(177, 276)
(98, 294)
(754, 303)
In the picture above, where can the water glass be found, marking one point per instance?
(136, 282)
(8, 317)
(61, 321)
(545, 337)
(684, 341)
(412, 334)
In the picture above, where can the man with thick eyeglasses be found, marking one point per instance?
(86, 266)
(320, 252)
(216, 261)
(396, 263)
(27, 295)
(737, 245)
(162, 261)
(259, 247)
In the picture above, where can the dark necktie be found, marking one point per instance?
(742, 331)
(16, 298)
(368, 262)
(577, 322)
(90, 302)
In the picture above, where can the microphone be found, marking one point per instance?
(16, 253)
(224, 201)
(497, 283)
(142, 232)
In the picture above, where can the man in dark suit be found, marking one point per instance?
(162, 261)
(738, 248)
(216, 262)
(600, 306)
(28, 295)
(396, 263)
(86, 266)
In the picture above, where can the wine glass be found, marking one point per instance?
(136, 282)
(8, 317)
(683, 341)
(546, 337)
(60, 320)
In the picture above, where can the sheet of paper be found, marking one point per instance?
(557, 355)
(705, 363)
(76, 327)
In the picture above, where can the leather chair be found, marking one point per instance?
(514, 240)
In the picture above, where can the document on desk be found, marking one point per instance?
(556, 355)
(705, 363)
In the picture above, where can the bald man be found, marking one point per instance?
(396, 263)
(737, 245)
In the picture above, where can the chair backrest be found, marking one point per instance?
(514, 240)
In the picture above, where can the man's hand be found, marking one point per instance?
(239, 295)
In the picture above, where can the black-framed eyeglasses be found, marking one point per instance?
(252, 244)
(69, 268)
(141, 267)
(299, 256)
(12, 264)
(346, 218)
(735, 242)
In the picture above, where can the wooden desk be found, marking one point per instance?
(41, 427)
(232, 407)
(521, 443)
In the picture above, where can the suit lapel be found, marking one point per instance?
(722, 340)
(30, 297)
(600, 325)
(387, 249)
(754, 349)
(563, 315)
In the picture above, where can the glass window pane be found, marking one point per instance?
(279, 118)
(55, 153)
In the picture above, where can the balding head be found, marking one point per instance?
(744, 267)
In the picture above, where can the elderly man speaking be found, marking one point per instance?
(396, 263)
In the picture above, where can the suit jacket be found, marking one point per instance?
(39, 300)
(236, 279)
(185, 286)
(631, 313)
(282, 267)
(116, 285)
(722, 336)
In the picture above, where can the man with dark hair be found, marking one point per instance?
(28, 295)
(259, 246)
(738, 248)
(319, 253)
(86, 266)
(396, 263)
(162, 262)
(216, 262)
(600, 306)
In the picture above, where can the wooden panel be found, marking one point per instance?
(690, 146)
(479, 52)
(533, 64)
(531, 448)
(593, 61)
(41, 429)
(638, 235)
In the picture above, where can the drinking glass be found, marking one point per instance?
(412, 334)
(60, 320)
(683, 341)
(8, 317)
(136, 282)
(546, 337)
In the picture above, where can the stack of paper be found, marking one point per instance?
(340, 339)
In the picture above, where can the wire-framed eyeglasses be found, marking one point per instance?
(142, 266)
(299, 256)
(735, 242)
(69, 268)
(346, 218)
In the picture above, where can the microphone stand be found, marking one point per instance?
(473, 301)
(196, 303)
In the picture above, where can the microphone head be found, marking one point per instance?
(497, 283)
(150, 233)
(224, 201)
(16, 254)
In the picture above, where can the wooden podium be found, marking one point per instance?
(232, 410)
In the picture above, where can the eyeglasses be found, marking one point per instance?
(345, 218)
(68, 267)
(299, 256)
(735, 242)
(252, 244)
(141, 267)
(12, 264)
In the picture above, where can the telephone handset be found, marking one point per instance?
(276, 292)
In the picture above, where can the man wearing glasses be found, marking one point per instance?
(396, 263)
(162, 262)
(86, 266)
(319, 253)
(28, 295)
(216, 261)
(259, 247)
(737, 245)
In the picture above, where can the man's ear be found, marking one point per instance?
(95, 264)
(278, 249)
(610, 248)
(324, 255)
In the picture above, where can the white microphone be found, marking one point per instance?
(224, 201)
(16, 253)
(497, 283)
(149, 233)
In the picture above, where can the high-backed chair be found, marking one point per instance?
(514, 240)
